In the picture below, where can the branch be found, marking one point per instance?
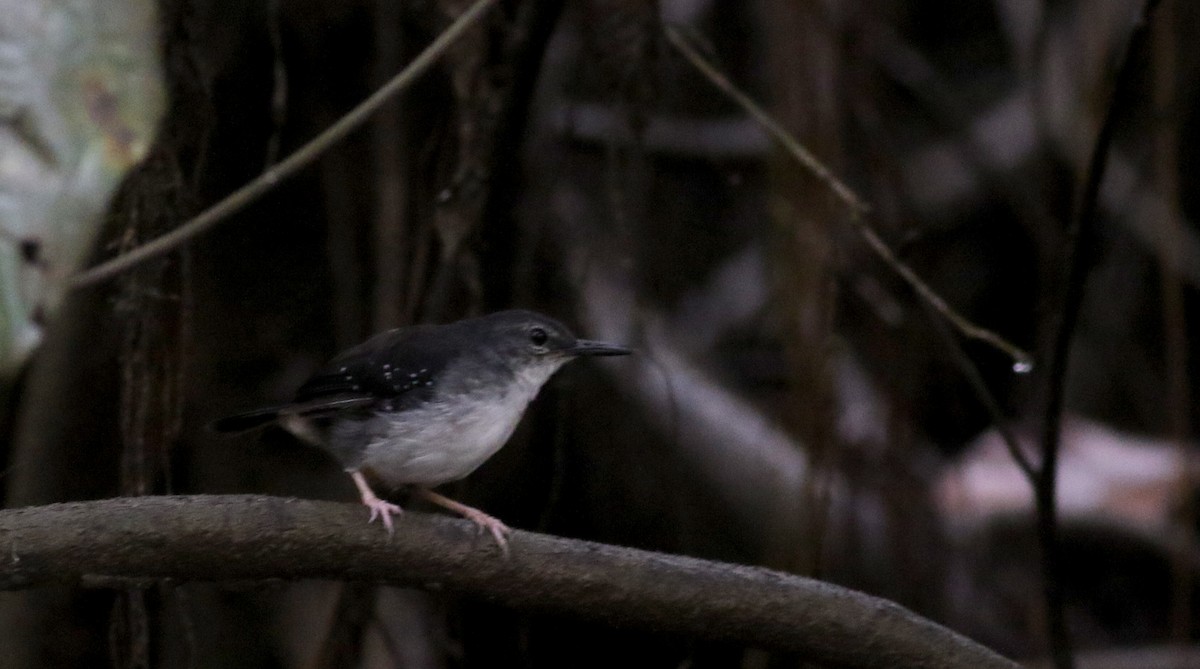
(244, 537)
(859, 210)
(1077, 263)
(987, 400)
(289, 166)
(858, 207)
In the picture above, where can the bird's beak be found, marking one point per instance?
(597, 348)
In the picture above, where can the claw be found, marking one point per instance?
(384, 511)
(482, 520)
(381, 509)
(498, 529)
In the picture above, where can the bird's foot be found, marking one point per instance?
(492, 524)
(380, 509)
(384, 511)
(483, 521)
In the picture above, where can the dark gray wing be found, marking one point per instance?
(395, 369)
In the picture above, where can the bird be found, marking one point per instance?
(424, 405)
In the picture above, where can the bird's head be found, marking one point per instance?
(536, 344)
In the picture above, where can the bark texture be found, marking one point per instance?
(109, 542)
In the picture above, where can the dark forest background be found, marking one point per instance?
(794, 404)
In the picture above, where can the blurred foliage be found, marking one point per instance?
(81, 94)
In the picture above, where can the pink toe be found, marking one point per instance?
(384, 512)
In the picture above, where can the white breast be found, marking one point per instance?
(437, 443)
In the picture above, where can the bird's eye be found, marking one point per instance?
(538, 336)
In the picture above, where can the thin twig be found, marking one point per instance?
(289, 166)
(859, 209)
(988, 400)
(1078, 260)
(243, 537)
(777, 131)
(1022, 361)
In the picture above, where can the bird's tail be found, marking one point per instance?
(245, 421)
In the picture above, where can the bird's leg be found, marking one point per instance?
(379, 508)
(498, 529)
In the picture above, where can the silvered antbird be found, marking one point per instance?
(427, 404)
